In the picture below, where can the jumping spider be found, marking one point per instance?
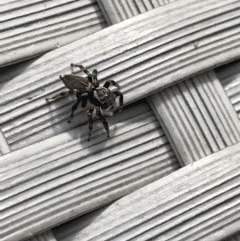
(91, 96)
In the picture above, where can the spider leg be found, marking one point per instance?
(111, 82)
(61, 95)
(72, 68)
(75, 106)
(119, 93)
(91, 77)
(103, 120)
(90, 123)
(94, 78)
(84, 102)
(82, 68)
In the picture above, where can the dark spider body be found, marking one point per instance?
(92, 96)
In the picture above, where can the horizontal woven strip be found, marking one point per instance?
(198, 202)
(63, 177)
(35, 27)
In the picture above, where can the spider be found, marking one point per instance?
(91, 96)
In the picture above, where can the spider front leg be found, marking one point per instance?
(103, 120)
(111, 82)
(119, 93)
(91, 77)
(82, 68)
(90, 123)
(94, 78)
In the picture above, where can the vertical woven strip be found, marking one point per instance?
(197, 116)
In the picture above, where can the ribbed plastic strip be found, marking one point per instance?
(198, 202)
(198, 117)
(117, 11)
(200, 144)
(4, 147)
(143, 60)
(46, 236)
(35, 27)
(62, 177)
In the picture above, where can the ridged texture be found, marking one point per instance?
(117, 11)
(198, 117)
(30, 28)
(55, 180)
(47, 236)
(156, 49)
(198, 202)
(230, 78)
(4, 147)
(46, 120)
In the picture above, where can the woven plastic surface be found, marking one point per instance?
(173, 156)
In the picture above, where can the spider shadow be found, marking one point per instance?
(59, 116)
(119, 124)
(80, 131)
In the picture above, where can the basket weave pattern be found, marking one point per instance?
(173, 156)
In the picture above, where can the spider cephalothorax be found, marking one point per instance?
(92, 96)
